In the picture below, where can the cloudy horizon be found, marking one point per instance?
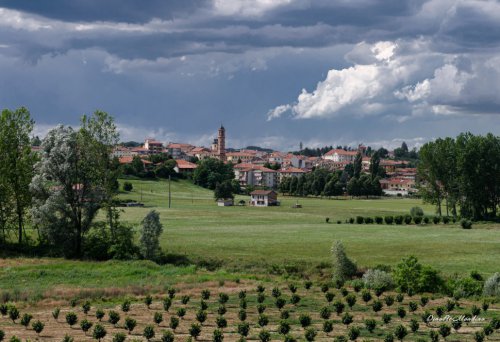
(275, 73)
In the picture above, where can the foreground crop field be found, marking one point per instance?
(244, 237)
(243, 296)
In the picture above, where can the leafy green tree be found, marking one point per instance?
(71, 185)
(211, 171)
(16, 168)
(343, 267)
(224, 190)
(150, 235)
(358, 165)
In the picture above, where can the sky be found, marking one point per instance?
(274, 72)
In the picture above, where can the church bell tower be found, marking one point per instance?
(221, 146)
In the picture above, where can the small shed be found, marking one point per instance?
(228, 202)
(263, 198)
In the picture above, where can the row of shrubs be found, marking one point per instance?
(407, 219)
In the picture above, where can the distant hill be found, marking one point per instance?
(257, 148)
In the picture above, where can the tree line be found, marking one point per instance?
(351, 180)
(59, 190)
(462, 175)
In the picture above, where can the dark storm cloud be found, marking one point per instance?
(133, 11)
(203, 61)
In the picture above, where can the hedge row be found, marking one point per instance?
(400, 219)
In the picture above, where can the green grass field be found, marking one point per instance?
(244, 237)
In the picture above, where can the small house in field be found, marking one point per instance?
(225, 202)
(263, 198)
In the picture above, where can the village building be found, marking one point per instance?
(178, 151)
(255, 175)
(183, 166)
(398, 186)
(338, 155)
(240, 157)
(153, 146)
(263, 198)
(290, 172)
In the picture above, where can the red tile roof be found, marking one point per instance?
(341, 152)
(184, 164)
(262, 192)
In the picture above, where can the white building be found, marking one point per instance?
(338, 155)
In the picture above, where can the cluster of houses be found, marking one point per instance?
(250, 165)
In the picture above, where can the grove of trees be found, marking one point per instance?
(59, 191)
(462, 175)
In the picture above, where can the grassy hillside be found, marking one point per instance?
(243, 237)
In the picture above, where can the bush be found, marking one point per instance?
(264, 336)
(417, 219)
(416, 212)
(37, 327)
(221, 322)
(243, 329)
(130, 324)
(347, 319)
(351, 220)
(408, 219)
(174, 322)
(295, 299)
(426, 220)
(386, 318)
(389, 300)
(119, 337)
(99, 332)
(14, 313)
(379, 219)
(263, 320)
(126, 306)
(113, 317)
(285, 314)
(283, 327)
(400, 332)
(466, 224)
(351, 300)
(360, 219)
(398, 219)
(436, 219)
(310, 334)
(325, 312)
(338, 306)
(370, 325)
(168, 336)
(388, 219)
(99, 314)
(71, 318)
(491, 286)
(218, 336)
(222, 309)
(327, 326)
(366, 296)
(368, 220)
(305, 320)
(446, 220)
(377, 279)
(127, 186)
(26, 319)
(261, 297)
(85, 325)
(308, 284)
(377, 306)
(195, 330)
(242, 315)
(353, 333)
